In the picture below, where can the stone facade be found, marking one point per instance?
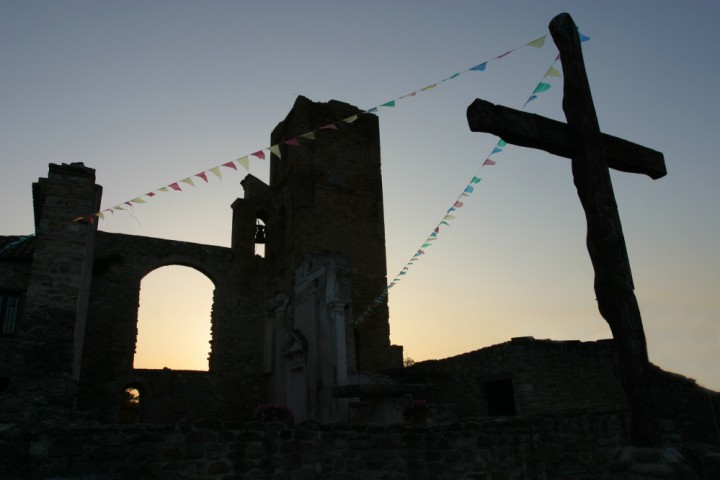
(283, 331)
(80, 288)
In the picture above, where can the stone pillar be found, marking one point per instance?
(53, 325)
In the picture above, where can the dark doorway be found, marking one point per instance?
(500, 397)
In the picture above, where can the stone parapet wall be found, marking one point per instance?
(543, 447)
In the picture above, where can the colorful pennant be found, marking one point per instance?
(467, 191)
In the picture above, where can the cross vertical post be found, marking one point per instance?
(614, 286)
(582, 141)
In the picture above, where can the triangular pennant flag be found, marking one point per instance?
(475, 180)
(372, 110)
(163, 189)
(216, 171)
(434, 234)
(496, 150)
(501, 143)
(175, 186)
(259, 154)
(275, 149)
(490, 162)
(309, 135)
(350, 119)
(391, 103)
(151, 194)
(292, 141)
(448, 217)
(451, 209)
(76, 219)
(532, 97)
(421, 252)
(425, 245)
(452, 76)
(188, 181)
(101, 215)
(428, 87)
(245, 162)
(202, 175)
(230, 165)
(505, 54)
(402, 273)
(552, 72)
(138, 200)
(118, 207)
(329, 126)
(537, 43)
(542, 87)
(480, 68)
(583, 38)
(437, 230)
(464, 194)
(459, 204)
(446, 223)
(409, 95)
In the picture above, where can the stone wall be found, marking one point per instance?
(234, 381)
(539, 447)
(560, 376)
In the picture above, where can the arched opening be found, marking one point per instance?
(260, 237)
(173, 327)
(130, 405)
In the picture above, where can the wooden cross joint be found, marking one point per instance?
(533, 131)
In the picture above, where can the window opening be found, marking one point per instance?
(260, 238)
(130, 405)
(173, 322)
(500, 397)
(9, 312)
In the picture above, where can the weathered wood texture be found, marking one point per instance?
(592, 153)
(534, 131)
(605, 241)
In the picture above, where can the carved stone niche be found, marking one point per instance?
(295, 349)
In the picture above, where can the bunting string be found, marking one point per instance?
(543, 86)
(244, 161)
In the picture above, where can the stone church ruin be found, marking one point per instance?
(283, 331)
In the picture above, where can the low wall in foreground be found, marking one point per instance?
(581, 446)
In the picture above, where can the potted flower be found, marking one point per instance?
(416, 411)
(274, 412)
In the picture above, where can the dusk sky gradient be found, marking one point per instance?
(151, 92)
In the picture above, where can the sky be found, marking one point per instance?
(151, 92)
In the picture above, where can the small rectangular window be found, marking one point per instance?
(500, 397)
(9, 312)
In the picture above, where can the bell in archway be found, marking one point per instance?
(259, 233)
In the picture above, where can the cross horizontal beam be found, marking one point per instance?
(533, 131)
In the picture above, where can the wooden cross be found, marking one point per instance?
(592, 153)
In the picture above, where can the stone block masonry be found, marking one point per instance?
(581, 446)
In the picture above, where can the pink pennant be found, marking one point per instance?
(175, 186)
(230, 165)
(458, 204)
(409, 95)
(489, 162)
(437, 230)
(259, 154)
(504, 54)
(330, 126)
(151, 194)
(292, 141)
(202, 175)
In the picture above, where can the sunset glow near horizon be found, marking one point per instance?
(148, 93)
